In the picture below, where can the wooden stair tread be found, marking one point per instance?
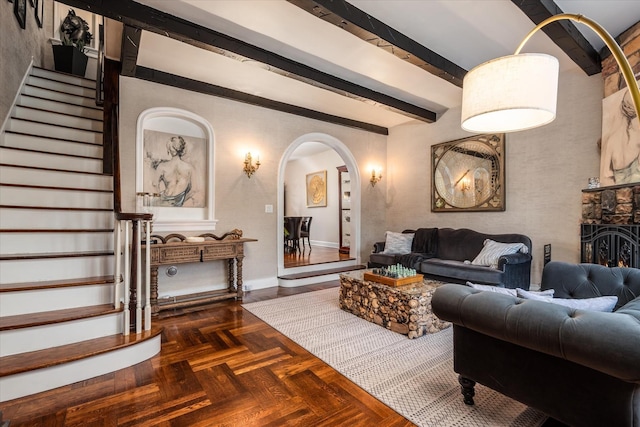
(93, 81)
(44, 255)
(46, 110)
(55, 316)
(23, 362)
(56, 208)
(52, 153)
(91, 107)
(52, 138)
(51, 284)
(50, 187)
(55, 125)
(51, 169)
(317, 273)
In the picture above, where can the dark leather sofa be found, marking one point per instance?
(440, 254)
(580, 367)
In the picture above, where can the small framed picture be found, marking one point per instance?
(20, 10)
(39, 12)
(317, 189)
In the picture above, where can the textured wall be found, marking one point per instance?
(546, 169)
(18, 47)
(240, 201)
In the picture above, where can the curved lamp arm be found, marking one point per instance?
(519, 91)
(616, 51)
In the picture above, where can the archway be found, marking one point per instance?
(352, 166)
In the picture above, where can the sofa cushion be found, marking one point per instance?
(604, 304)
(492, 288)
(397, 243)
(383, 259)
(493, 250)
(460, 270)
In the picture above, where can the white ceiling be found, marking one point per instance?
(466, 32)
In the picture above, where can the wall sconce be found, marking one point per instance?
(375, 179)
(249, 167)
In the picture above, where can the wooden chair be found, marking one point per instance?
(292, 225)
(305, 227)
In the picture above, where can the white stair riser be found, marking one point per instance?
(48, 160)
(12, 175)
(19, 385)
(60, 107)
(53, 219)
(16, 341)
(57, 119)
(64, 78)
(18, 243)
(35, 301)
(42, 129)
(49, 145)
(61, 87)
(22, 196)
(58, 96)
(27, 270)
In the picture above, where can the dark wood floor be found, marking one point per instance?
(219, 366)
(317, 255)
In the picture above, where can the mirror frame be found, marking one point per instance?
(478, 160)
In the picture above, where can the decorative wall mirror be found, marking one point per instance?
(468, 174)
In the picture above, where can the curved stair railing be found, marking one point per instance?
(128, 226)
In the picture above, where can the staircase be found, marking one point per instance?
(59, 321)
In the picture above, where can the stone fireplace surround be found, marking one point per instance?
(610, 230)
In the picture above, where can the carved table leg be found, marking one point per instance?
(239, 280)
(467, 388)
(154, 291)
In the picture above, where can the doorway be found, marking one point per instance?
(322, 251)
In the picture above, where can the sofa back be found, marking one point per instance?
(464, 244)
(591, 280)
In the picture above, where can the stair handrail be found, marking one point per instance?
(100, 66)
(127, 224)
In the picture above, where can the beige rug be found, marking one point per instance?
(414, 377)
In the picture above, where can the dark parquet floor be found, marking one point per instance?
(219, 366)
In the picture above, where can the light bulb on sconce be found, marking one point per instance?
(375, 178)
(465, 184)
(249, 167)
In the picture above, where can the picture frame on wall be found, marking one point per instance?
(39, 12)
(316, 185)
(469, 174)
(20, 10)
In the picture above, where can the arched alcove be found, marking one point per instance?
(351, 165)
(172, 140)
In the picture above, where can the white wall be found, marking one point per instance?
(240, 202)
(546, 169)
(325, 224)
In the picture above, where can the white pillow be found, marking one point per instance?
(537, 295)
(496, 289)
(397, 243)
(605, 304)
(493, 250)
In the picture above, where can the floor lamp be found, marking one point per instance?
(519, 91)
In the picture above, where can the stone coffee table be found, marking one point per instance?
(402, 309)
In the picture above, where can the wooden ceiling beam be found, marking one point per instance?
(129, 51)
(149, 19)
(367, 28)
(563, 33)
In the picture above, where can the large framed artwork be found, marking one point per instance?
(468, 174)
(620, 151)
(174, 164)
(316, 184)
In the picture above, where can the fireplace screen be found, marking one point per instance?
(611, 245)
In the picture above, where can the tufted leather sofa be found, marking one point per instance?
(447, 254)
(579, 367)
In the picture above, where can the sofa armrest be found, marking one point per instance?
(517, 270)
(606, 342)
(378, 247)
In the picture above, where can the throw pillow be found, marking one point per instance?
(605, 304)
(493, 250)
(496, 289)
(397, 243)
(539, 295)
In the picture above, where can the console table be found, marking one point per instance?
(184, 251)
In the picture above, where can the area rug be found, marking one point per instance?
(413, 377)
